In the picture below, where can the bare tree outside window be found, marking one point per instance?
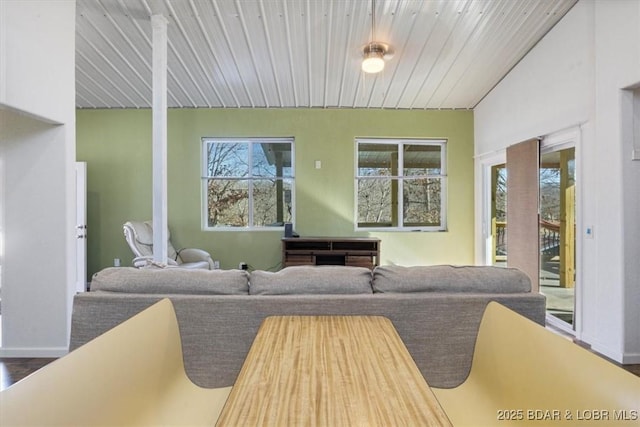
(248, 182)
(400, 184)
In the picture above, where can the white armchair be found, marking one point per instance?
(139, 236)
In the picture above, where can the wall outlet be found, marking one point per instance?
(216, 264)
(242, 266)
(116, 262)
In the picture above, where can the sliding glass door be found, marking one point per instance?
(558, 233)
(499, 214)
(547, 251)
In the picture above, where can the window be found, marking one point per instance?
(401, 184)
(247, 182)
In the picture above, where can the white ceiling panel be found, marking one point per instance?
(448, 54)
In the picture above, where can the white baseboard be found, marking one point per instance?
(33, 352)
(596, 346)
(631, 359)
(622, 358)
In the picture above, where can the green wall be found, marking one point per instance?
(116, 144)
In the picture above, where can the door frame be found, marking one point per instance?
(484, 163)
(563, 139)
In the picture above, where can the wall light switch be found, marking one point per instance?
(588, 232)
(318, 164)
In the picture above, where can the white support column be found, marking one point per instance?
(159, 108)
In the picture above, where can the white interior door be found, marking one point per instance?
(81, 226)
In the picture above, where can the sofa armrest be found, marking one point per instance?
(146, 261)
(105, 376)
(195, 255)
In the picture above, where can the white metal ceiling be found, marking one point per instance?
(305, 53)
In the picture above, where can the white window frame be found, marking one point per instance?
(400, 178)
(250, 178)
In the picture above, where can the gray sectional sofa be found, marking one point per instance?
(436, 309)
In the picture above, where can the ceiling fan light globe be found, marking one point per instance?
(373, 63)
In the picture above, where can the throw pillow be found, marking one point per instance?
(171, 281)
(450, 278)
(311, 280)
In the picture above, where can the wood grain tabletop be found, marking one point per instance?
(330, 371)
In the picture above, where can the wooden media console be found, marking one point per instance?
(350, 251)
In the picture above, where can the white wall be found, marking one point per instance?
(35, 56)
(37, 151)
(575, 77)
(549, 90)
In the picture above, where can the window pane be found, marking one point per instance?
(272, 159)
(227, 159)
(377, 159)
(248, 182)
(375, 202)
(227, 203)
(400, 183)
(422, 160)
(421, 201)
(499, 214)
(271, 202)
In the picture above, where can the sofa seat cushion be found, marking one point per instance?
(171, 281)
(312, 280)
(449, 278)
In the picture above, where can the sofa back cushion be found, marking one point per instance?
(171, 281)
(449, 278)
(312, 280)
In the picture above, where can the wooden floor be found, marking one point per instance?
(634, 369)
(14, 369)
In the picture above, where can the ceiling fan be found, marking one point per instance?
(375, 53)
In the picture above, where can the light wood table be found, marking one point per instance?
(330, 371)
